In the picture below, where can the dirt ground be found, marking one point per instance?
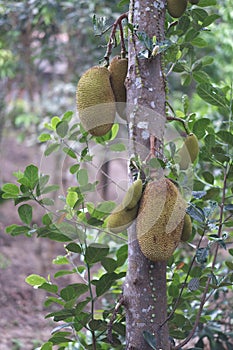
(22, 311)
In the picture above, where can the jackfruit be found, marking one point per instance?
(118, 70)
(120, 219)
(188, 152)
(133, 195)
(176, 8)
(160, 219)
(96, 101)
(187, 228)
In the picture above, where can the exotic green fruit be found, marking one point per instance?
(160, 219)
(176, 8)
(120, 219)
(187, 228)
(118, 70)
(188, 152)
(96, 101)
(133, 195)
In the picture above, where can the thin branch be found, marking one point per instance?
(114, 314)
(184, 284)
(123, 48)
(112, 35)
(178, 120)
(204, 295)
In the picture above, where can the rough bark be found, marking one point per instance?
(145, 285)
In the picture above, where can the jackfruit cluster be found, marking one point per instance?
(126, 212)
(96, 101)
(188, 152)
(187, 228)
(176, 8)
(118, 69)
(160, 219)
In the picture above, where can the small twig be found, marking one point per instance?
(184, 284)
(123, 48)
(112, 35)
(204, 295)
(169, 117)
(170, 70)
(114, 314)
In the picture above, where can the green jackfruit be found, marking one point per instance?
(187, 228)
(118, 70)
(133, 195)
(96, 101)
(120, 219)
(160, 219)
(176, 8)
(188, 152)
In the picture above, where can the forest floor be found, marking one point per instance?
(22, 308)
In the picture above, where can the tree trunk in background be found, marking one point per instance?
(145, 286)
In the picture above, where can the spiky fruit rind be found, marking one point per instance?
(120, 219)
(133, 195)
(188, 152)
(176, 8)
(96, 101)
(160, 219)
(187, 228)
(118, 70)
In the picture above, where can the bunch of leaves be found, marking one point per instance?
(91, 253)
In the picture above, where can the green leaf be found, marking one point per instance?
(54, 121)
(212, 95)
(200, 126)
(15, 230)
(98, 325)
(201, 76)
(210, 19)
(43, 180)
(62, 273)
(47, 201)
(122, 3)
(109, 264)
(199, 42)
(150, 339)
(82, 177)
(31, 174)
(50, 188)
(69, 152)
(60, 260)
(51, 288)
(11, 190)
(67, 116)
(73, 291)
(44, 137)
(196, 213)
(205, 3)
(104, 283)
(74, 168)
(73, 247)
(122, 255)
(71, 198)
(25, 213)
(47, 219)
(229, 264)
(47, 346)
(52, 148)
(208, 177)
(96, 252)
(226, 136)
(117, 147)
(229, 207)
(35, 280)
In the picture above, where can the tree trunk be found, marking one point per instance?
(145, 286)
